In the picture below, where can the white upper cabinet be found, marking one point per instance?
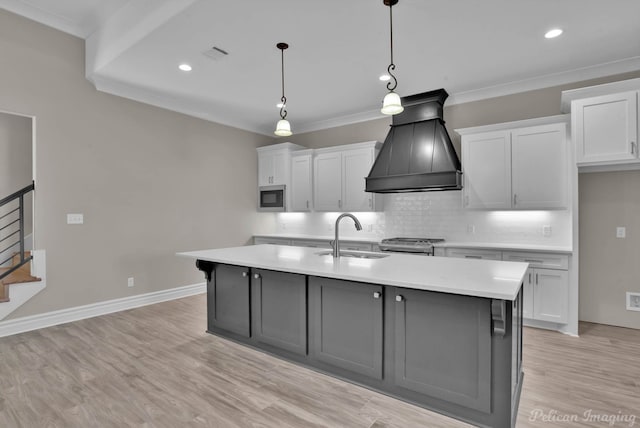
(339, 178)
(327, 181)
(539, 167)
(606, 128)
(274, 163)
(515, 166)
(486, 162)
(356, 165)
(302, 180)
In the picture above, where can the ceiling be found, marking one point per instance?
(474, 49)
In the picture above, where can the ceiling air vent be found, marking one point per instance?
(215, 53)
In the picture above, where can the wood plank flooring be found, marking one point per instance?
(156, 367)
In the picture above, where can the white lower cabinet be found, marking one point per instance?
(546, 283)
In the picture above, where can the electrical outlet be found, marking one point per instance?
(369, 227)
(621, 232)
(130, 282)
(283, 226)
(546, 230)
(471, 229)
(75, 218)
(633, 301)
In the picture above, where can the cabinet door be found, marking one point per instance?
(280, 167)
(301, 183)
(280, 309)
(606, 128)
(486, 160)
(327, 182)
(228, 299)
(443, 346)
(470, 253)
(347, 325)
(551, 295)
(356, 165)
(265, 169)
(539, 167)
(527, 293)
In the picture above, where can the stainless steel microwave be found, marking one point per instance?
(272, 198)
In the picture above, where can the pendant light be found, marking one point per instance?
(391, 103)
(283, 128)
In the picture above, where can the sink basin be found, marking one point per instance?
(356, 254)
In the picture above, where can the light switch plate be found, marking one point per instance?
(546, 230)
(75, 218)
(621, 232)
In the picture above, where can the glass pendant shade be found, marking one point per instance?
(283, 128)
(391, 104)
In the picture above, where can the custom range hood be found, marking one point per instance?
(417, 155)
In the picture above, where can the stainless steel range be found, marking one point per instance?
(420, 246)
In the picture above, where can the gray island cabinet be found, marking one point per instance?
(458, 352)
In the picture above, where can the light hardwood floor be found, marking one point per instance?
(156, 367)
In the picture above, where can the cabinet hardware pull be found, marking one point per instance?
(376, 295)
(256, 275)
(515, 199)
(399, 298)
(244, 274)
(529, 277)
(633, 147)
(533, 261)
(472, 257)
(339, 203)
(307, 204)
(370, 203)
(536, 278)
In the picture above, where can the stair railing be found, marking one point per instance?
(8, 222)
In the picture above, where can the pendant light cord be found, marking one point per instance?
(391, 85)
(283, 112)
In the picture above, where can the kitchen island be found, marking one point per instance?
(444, 334)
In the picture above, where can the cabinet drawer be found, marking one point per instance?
(274, 241)
(355, 246)
(538, 260)
(474, 254)
(311, 243)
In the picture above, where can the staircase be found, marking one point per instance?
(17, 263)
(21, 275)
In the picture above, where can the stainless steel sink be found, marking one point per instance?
(355, 254)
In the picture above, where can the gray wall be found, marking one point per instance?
(608, 266)
(16, 163)
(150, 182)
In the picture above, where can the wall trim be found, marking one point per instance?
(48, 319)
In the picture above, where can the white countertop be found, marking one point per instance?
(503, 246)
(480, 278)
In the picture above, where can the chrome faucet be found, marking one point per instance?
(336, 242)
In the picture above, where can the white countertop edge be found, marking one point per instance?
(309, 269)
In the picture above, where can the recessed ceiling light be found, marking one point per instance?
(553, 33)
(185, 67)
(384, 77)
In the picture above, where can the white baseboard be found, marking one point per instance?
(34, 322)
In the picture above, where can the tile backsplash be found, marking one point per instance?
(439, 215)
